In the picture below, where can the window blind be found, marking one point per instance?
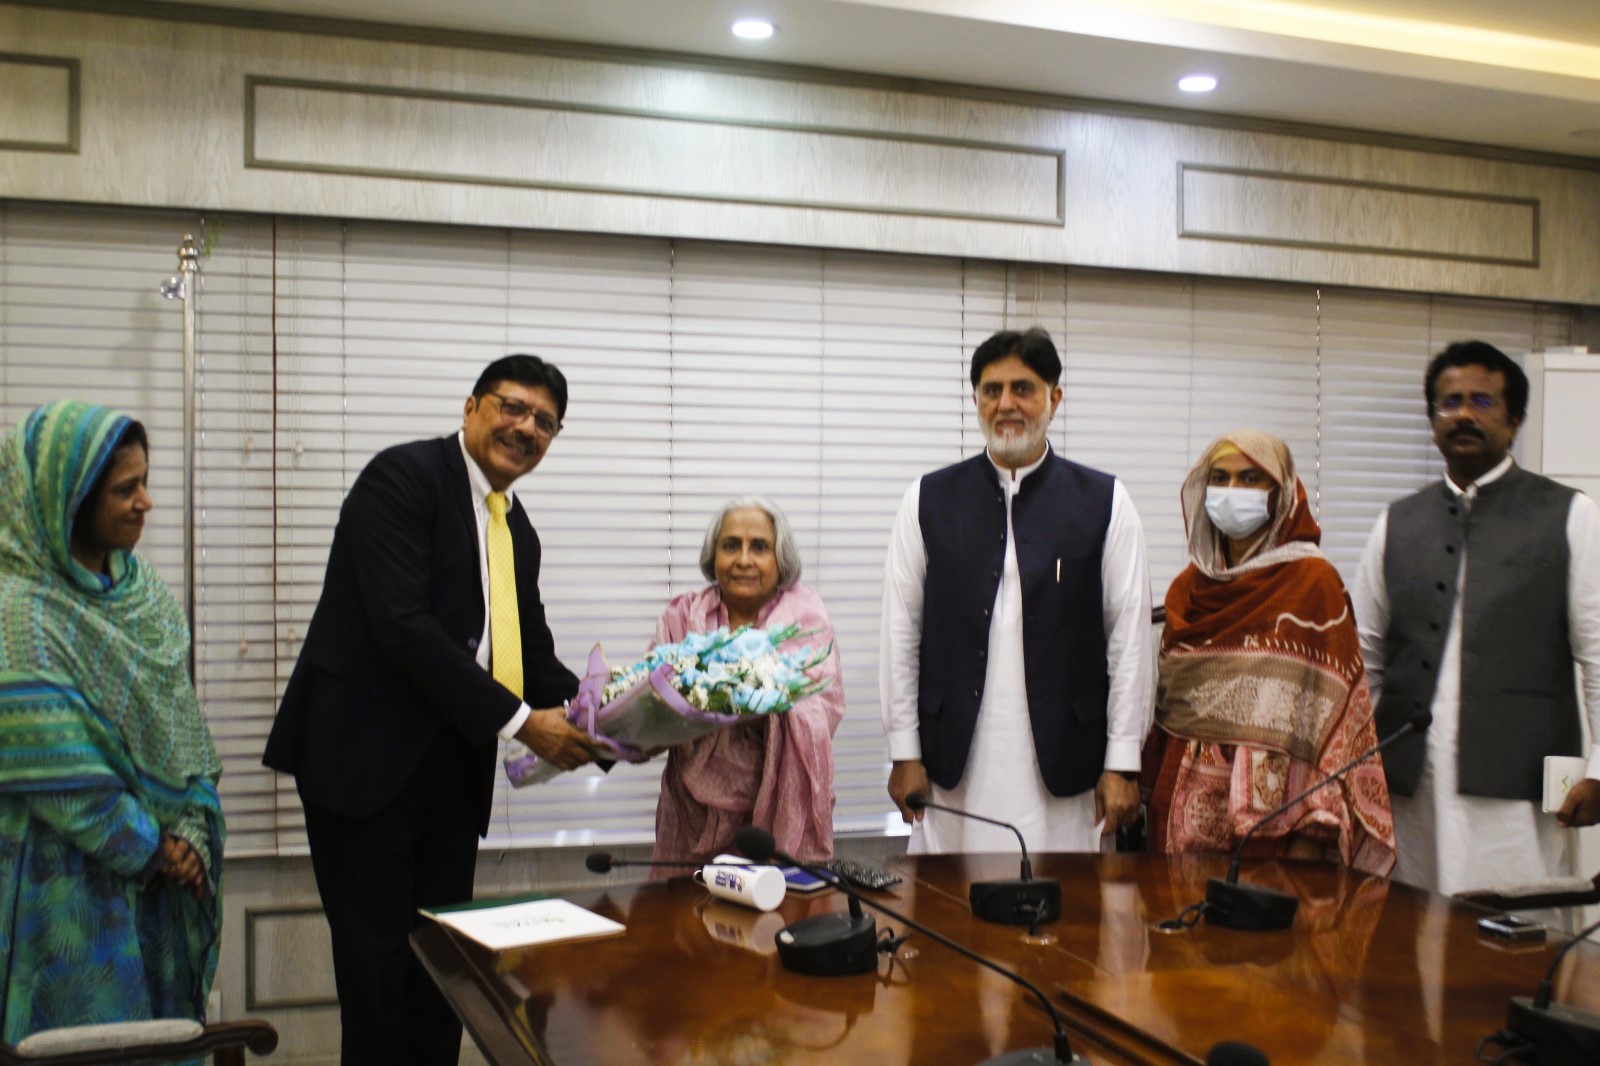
(827, 380)
(235, 606)
(81, 315)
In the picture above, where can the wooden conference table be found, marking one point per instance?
(1372, 972)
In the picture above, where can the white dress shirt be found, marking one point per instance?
(994, 783)
(480, 511)
(1444, 840)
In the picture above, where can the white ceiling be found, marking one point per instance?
(1494, 72)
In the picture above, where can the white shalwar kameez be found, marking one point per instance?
(1446, 841)
(1002, 778)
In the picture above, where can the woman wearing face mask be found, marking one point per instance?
(1262, 689)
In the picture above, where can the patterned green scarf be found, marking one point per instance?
(93, 678)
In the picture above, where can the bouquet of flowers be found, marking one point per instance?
(679, 692)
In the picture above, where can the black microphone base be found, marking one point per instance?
(1034, 1056)
(830, 945)
(1561, 1036)
(1241, 905)
(1016, 902)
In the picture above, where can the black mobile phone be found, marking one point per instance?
(1511, 927)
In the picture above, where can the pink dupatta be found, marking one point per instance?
(775, 773)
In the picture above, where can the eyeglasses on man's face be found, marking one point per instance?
(1480, 402)
(515, 412)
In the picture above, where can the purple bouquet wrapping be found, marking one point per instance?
(680, 692)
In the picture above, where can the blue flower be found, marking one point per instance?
(752, 700)
(694, 644)
(740, 672)
(750, 644)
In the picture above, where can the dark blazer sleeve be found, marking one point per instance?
(398, 519)
(390, 657)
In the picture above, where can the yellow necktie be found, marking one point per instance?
(505, 630)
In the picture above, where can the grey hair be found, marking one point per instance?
(783, 537)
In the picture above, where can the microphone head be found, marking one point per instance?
(1422, 720)
(755, 843)
(598, 862)
(916, 801)
(1236, 1053)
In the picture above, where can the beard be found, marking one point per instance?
(1017, 447)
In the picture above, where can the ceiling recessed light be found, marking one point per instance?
(752, 29)
(1197, 83)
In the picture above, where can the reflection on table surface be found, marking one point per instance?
(1371, 972)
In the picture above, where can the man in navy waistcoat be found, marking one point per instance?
(1015, 657)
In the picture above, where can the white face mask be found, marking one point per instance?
(1236, 512)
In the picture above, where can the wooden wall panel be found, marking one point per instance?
(289, 959)
(1311, 211)
(619, 143)
(40, 111)
(335, 128)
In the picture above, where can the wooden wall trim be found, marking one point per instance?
(42, 102)
(192, 114)
(1293, 210)
(526, 142)
(360, 29)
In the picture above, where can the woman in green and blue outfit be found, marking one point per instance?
(110, 830)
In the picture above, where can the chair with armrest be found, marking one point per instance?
(144, 1043)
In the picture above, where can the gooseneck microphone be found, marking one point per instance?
(757, 844)
(829, 945)
(823, 945)
(1558, 1035)
(1233, 904)
(1541, 998)
(917, 801)
(1024, 901)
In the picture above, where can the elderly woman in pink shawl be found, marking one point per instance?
(774, 772)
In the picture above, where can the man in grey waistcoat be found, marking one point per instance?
(1475, 598)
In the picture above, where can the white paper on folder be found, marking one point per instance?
(538, 921)
(1561, 772)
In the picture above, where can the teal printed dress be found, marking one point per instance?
(103, 750)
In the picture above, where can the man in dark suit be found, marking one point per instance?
(410, 671)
